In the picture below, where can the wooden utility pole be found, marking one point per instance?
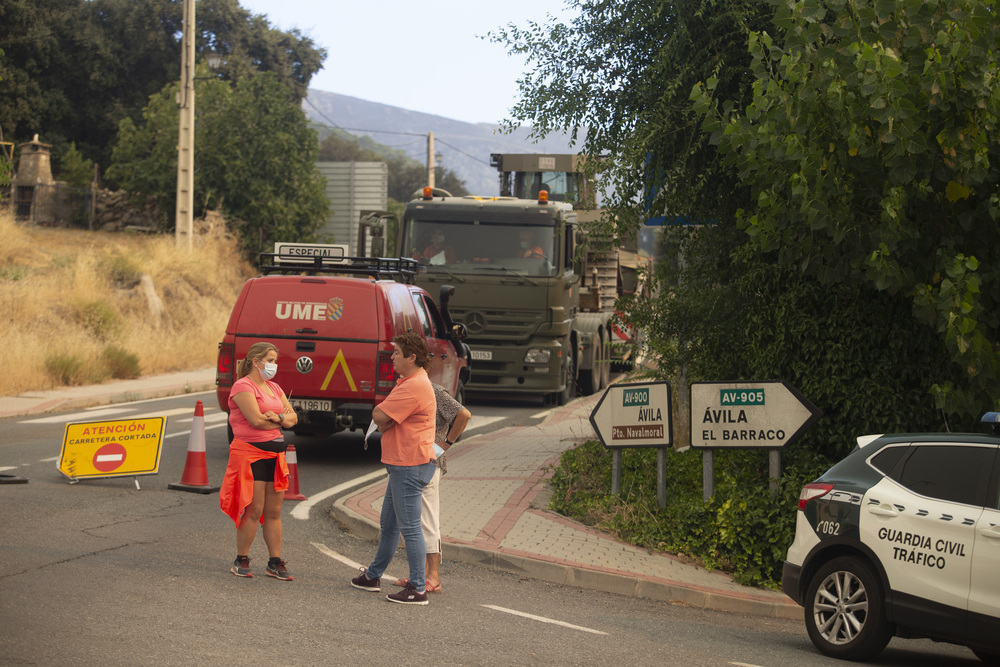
(184, 222)
(430, 159)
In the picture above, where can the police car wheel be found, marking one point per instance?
(845, 610)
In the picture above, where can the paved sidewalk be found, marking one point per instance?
(493, 514)
(492, 505)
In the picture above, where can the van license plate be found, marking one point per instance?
(311, 404)
(482, 355)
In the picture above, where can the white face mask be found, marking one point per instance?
(269, 371)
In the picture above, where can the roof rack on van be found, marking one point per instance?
(397, 268)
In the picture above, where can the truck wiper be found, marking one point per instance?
(441, 269)
(512, 272)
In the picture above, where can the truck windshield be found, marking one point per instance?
(465, 247)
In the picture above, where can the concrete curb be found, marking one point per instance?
(559, 573)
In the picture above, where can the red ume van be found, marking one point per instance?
(332, 319)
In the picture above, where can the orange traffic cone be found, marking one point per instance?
(195, 475)
(293, 475)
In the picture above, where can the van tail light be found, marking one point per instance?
(224, 367)
(812, 492)
(385, 374)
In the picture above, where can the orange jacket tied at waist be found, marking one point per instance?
(237, 486)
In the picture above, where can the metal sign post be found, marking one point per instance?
(747, 415)
(635, 415)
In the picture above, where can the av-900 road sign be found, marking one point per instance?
(634, 415)
(748, 414)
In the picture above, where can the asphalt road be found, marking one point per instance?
(99, 572)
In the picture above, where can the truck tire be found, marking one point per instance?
(590, 380)
(569, 390)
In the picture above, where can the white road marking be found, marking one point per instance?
(49, 460)
(188, 433)
(336, 556)
(541, 415)
(3, 468)
(100, 411)
(543, 619)
(744, 664)
(301, 510)
(345, 560)
(481, 422)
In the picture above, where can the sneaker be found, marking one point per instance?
(276, 569)
(364, 583)
(408, 595)
(241, 567)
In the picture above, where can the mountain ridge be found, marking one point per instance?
(463, 147)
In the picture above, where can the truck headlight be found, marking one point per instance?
(537, 355)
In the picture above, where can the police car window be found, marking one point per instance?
(951, 473)
(885, 461)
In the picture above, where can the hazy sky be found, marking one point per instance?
(399, 52)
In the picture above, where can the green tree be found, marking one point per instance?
(74, 69)
(76, 170)
(618, 79)
(871, 150)
(255, 159)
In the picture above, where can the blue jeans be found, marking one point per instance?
(401, 514)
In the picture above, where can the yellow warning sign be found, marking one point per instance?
(126, 447)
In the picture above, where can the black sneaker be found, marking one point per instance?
(241, 567)
(408, 595)
(276, 569)
(364, 583)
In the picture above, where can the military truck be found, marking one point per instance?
(538, 314)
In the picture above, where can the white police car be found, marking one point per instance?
(902, 538)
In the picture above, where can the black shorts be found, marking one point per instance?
(263, 470)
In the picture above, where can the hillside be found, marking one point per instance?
(83, 307)
(464, 148)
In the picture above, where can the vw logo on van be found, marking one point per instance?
(304, 365)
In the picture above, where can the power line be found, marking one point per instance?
(410, 134)
(355, 129)
(472, 157)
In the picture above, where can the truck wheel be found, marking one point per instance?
(569, 390)
(845, 610)
(460, 392)
(589, 381)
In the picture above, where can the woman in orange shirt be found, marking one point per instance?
(406, 419)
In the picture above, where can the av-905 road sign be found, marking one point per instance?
(746, 415)
(634, 415)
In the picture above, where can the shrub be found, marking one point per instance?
(743, 529)
(121, 364)
(65, 369)
(100, 319)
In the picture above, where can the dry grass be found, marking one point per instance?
(70, 297)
